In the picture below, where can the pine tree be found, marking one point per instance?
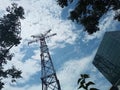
(10, 29)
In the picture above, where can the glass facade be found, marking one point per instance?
(107, 58)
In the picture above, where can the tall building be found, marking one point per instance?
(107, 58)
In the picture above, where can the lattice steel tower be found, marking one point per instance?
(48, 73)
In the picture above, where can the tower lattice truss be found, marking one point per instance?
(48, 73)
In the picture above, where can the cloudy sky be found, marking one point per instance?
(72, 50)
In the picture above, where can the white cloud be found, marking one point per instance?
(4, 4)
(27, 87)
(40, 16)
(37, 55)
(44, 15)
(29, 68)
(71, 70)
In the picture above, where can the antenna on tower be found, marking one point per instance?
(48, 73)
(41, 36)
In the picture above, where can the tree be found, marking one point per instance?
(114, 88)
(89, 12)
(83, 84)
(10, 29)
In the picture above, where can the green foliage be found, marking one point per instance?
(114, 88)
(10, 29)
(89, 12)
(83, 84)
(1, 84)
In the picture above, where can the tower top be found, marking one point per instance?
(41, 36)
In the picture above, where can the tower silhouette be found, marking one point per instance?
(48, 74)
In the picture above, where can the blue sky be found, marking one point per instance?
(72, 50)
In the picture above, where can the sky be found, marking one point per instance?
(72, 50)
